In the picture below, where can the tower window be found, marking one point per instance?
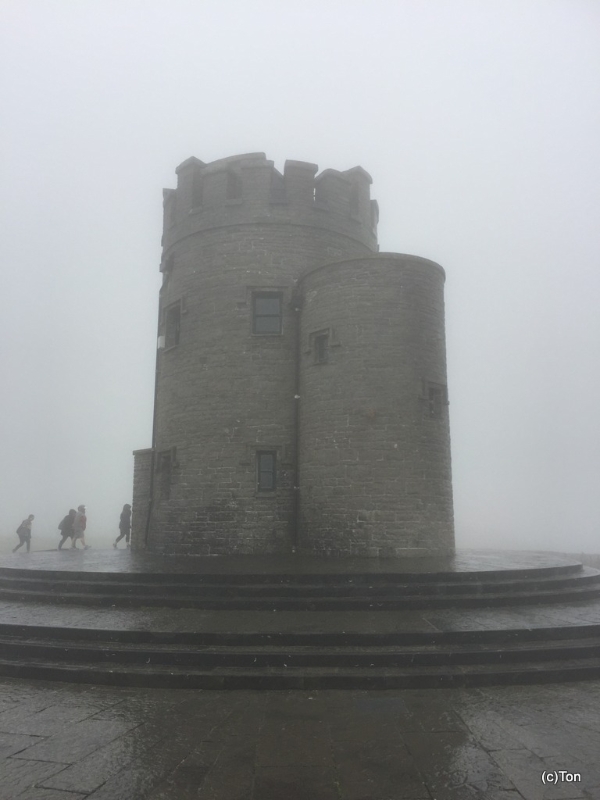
(164, 466)
(172, 325)
(319, 194)
(321, 348)
(234, 186)
(266, 312)
(265, 470)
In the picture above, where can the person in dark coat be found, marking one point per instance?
(24, 533)
(124, 526)
(79, 526)
(65, 527)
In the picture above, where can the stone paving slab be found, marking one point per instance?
(125, 744)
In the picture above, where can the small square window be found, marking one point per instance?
(265, 470)
(172, 325)
(266, 312)
(321, 348)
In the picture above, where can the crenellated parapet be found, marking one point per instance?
(247, 189)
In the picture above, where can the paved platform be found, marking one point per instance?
(68, 742)
(169, 620)
(129, 561)
(126, 562)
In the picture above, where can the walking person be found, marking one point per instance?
(79, 526)
(124, 526)
(24, 533)
(65, 526)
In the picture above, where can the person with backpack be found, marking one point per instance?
(24, 533)
(79, 526)
(65, 527)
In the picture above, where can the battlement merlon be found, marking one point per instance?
(247, 189)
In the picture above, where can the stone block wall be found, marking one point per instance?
(375, 475)
(225, 393)
(142, 472)
(373, 452)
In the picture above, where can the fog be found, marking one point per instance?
(479, 123)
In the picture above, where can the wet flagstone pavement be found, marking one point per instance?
(69, 742)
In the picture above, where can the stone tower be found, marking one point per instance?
(301, 398)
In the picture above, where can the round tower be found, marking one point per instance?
(374, 434)
(238, 235)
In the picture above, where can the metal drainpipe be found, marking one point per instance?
(297, 307)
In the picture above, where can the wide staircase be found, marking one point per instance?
(291, 629)
(296, 592)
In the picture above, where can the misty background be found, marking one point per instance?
(480, 125)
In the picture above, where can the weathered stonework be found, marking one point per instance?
(224, 393)
(141, 494)
(374, 451)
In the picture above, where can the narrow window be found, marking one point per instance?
(234, 186)
(164, 465)
(172, 210)
(321, 348)
(172, 325)
(197, 189)
(166, 268)
(319, 195)
(266, 312)
(265, 470)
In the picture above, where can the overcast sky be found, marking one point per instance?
(480, 124)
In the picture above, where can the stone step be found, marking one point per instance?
(241, 602)
(72, 651)
(308, 678)
(238, 573)
(231, 633)
(145, 621)
(315, 636)
(586, 577)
